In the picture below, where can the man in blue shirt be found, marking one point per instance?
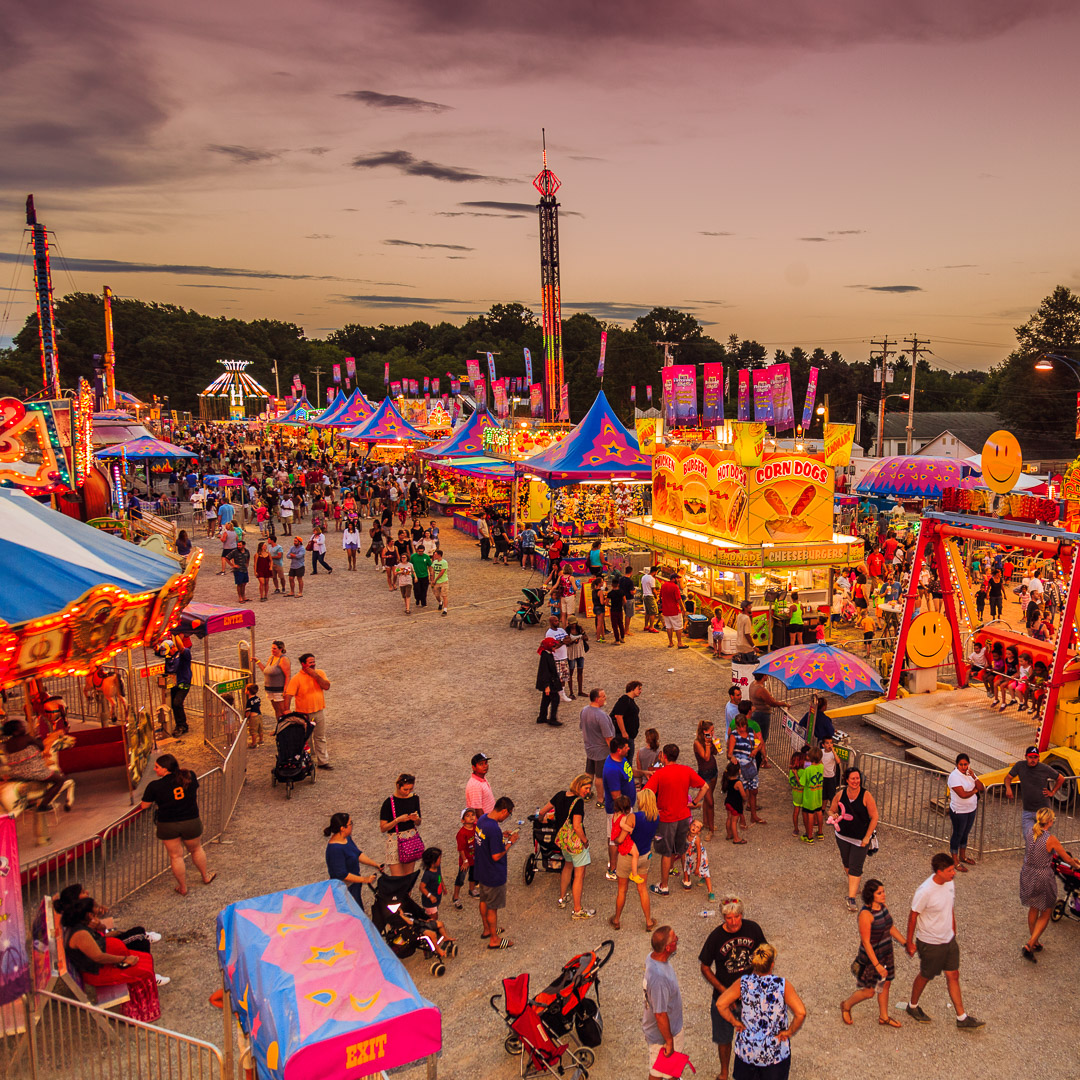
(618, 780)
(490, 869)
(226, 512)
(528, 547)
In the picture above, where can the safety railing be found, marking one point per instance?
(73, 1040)
(46, 876)
(233, 773)
(999, 825)
(222, 722)
(908, 797)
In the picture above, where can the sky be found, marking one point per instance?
(801, 172)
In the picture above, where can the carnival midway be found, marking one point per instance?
(443, 811)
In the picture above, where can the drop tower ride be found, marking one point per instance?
(50, 372)
(547, 183)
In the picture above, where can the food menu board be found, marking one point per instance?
(786, 499)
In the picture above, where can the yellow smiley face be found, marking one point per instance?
(929, 639)
(1001, 462)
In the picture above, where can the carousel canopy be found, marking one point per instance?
(145, 448)
(600, 448)
(301, 413)
(467, 441)
(386, 425)
(50, 560)
(913, 476)
(352, 410)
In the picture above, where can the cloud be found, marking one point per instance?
(705, 232)
(231, 288)
(609, 309)
(319, 236)
(954, 266)
(394, 101)
(846, 232)
(415, 244)
(515, 208)
(888, 288)
(395, 301)
(317, 151)
(405, 162)
(244, 155)
(814, 239)
(473, 213)
(116, 266)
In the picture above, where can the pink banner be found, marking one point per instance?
(386, 373)
(472, 367)
(763, 398)
(713, 390)
(564, 403)
(350, 366)
(337, 373)
(15, 969)
(684, 381)
(603, 351)
(783, 407)
(744, 395)
(536, 399)
(811, 394)
(480, 391)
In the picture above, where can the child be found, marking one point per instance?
(795, 767)
(1036, 687)
(335, 509)
(431, 886)
(647, 757)
(466, 837)
(813, 784)
(696, 860)
(626, 845)
(734, 800)
(1019, 685)
(976, 661)
(819, 632)
(717, 633)
(1006, 678)
(868, 625)
(830, 764)
(980, 601)
(253, 715)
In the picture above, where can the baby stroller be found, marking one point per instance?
(403, 924)
(1070, 878)
(528, 610)
(546, 854)
(292, 735)
(564, 1006)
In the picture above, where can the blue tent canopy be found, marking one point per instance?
(468, 440)
(145, 448)
(600, 448)
(386, 425)
(303, 412)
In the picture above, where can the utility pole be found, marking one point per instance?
(885, 353)
(318, 373)
(277, 382)
(916, 349)
(858, 419)
(667, 346)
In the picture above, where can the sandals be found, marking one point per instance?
(650, 926)
(740, 841)
(506, 943)
(659, 890)
(889, 1022)
(615, 923)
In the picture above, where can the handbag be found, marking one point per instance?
(310, 545)
(873, 846)
(567, 838)
(409, 848)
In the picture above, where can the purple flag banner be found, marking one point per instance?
(435, 387)
(491, 368)
(350, 366)
(727, 383)
(472, 368)
(536, 399)
(686, 411)
(564, 403)
(427, 384)
(455, 386)
(648, 394)
(783, 406)
(713, 388)
(633, 393)
(603, 351)
(15, 970)
(386, 373)
(811, 394)
(528, 366)
(763, 396)
(744, 394)
(337, 373)
(480, 391)
(667, 387)
(395, 389)
(330, 392)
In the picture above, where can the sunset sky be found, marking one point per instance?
(798, 171)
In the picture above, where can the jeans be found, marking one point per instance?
(617, 626)
(1027, 823)
(961, 828)
(318, 557)
(485, 547)
(421, 591)
(549, 702)
(176, 700)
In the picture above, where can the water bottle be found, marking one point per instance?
(706, 913)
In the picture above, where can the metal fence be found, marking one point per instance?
(998, 826)
(72, 1040)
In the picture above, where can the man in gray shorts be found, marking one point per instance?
(596, 731)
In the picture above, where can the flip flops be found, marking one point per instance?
(506, 943)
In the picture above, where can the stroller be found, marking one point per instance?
(1070, 878)
(528, 609)
(564, 1006)
(546, 854)
(294, 763)
(403, 924)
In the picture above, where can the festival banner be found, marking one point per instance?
(603, 350)
(456, 413)
(472, 368)
(839, 439)
(350, 366)
(415, 387)
(727, 383)
(435, 387)
(15, 970)
(498, 392)
(811, 394)
(491, 368)
(763, 399)
(564, 403)
(667, 389)
(744, 394)
(536, 399)
(685, 380)
(427, 384)
(646, 434)
(386, 373)
(528, 366)
(633, 393)
(395, 389)
(480, 391)
(1078, 414)
(446, 402)
(337, 373)
(455, 386)
(713, 390)
(783, 406)
(648, 395)
(330, 392)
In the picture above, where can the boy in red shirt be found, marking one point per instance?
(466, 838)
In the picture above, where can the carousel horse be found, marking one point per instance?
(107, 688)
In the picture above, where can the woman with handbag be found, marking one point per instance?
(873, 968)
(566, 812)
(399, 819)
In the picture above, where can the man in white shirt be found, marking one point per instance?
(932, 933)
(562, 664)
(1035, 585)
(285, 508)
(648, 595)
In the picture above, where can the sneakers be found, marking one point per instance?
(563, 901)
(659, 891)
(916, 1013)
(152, 936)
(969, 1023)
(588, 913)
(164, 980)
(564, 697)
(851, 905)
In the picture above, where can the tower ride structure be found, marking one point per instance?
(547, 183)
(44, 293)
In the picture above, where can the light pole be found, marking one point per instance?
(1046, 363)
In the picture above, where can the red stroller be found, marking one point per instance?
(563, 1007)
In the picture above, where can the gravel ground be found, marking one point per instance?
(423, 694)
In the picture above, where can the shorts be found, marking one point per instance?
(275, 695)
(718, 635)
(652, 1052)
(723, 1034)
(868, 635)
(240, 577)
(466, 872)
(180, 830)
(828, 788)
(405, 590)
(566, 604)
(494, 896)
(577, 663)
(582, 858)
(671, 837)
(622, 866)
(650, 606)
(296, 571)
(852, 856)
(934, 959)
(673, 622)
(594, 767)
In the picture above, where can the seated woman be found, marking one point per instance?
(107, 961)
(136, 937)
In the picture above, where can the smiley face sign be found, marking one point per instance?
(1001, 462)
(929, 639)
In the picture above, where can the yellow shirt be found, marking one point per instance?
(306, 693)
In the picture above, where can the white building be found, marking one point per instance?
(940, 434)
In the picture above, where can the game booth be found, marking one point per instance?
(743, 522)
(316, 992)
(457, 462)
(387, 433)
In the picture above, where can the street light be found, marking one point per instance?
(1046, 363)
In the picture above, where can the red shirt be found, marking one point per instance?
(670, 601)
(671, 785)
(888, 549)
(466, 846)
(875, 563)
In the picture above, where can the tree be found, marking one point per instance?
(1055, 326)
(667, 324)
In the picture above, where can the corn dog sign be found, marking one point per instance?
(790, 498)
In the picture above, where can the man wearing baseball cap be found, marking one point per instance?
(478, 794)
(1039, 783)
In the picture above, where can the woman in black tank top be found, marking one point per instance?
(854, 815)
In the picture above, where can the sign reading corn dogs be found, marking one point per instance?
(784, 499)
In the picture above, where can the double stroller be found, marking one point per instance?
(292, 737)
(561, 1009)
(528, 609)
(405, 927)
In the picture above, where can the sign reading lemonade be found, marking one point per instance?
(786, 498)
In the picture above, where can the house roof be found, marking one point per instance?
(971, 428)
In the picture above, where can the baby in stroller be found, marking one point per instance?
(294, 763)
(405, 927)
